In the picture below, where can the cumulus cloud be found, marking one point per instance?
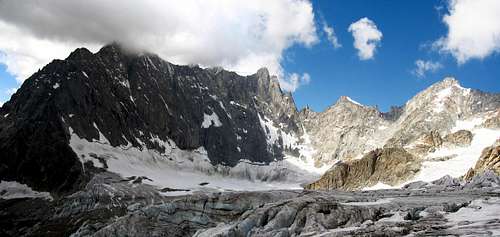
(366, 37)
(330, 35)
(473, 29)
(294, 81)
(422, 67)
(238, 35)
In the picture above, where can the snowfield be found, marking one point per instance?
(182, 169)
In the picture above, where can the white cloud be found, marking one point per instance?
(24, 53)
(10, 91)
(422, 67)
(294, 81)
(366, 37)
(239, 35)
(330, 35)
(473, 29)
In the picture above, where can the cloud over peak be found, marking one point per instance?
(239, 35)
(367, 37)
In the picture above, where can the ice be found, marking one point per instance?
(477, 215)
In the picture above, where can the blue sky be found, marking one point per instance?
(387, 79)
(409, 29)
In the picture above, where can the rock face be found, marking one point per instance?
(489, 160)
(370, 170)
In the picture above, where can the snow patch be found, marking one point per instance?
(14, 190)
(353, 101)
(209, 120)
(463, 157)
(468, 124)
(124, 83)
(440, 99)
(378, 186)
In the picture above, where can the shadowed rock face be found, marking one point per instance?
(489, 160)
(388, 165)
(132, 98)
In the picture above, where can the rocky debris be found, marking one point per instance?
(110, 207)
(441, 208)
(459, 138)
(489, 160)
(370, 170)
(104, 198)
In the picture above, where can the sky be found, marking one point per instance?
(379, 53)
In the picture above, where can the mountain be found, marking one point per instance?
(445, 126)
(137, 102)
(120, 142)
(177, 127)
